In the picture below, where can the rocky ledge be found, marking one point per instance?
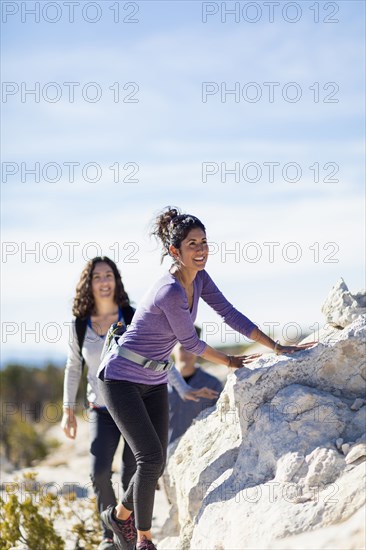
(280, 461)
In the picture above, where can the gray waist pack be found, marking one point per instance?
(113, 346)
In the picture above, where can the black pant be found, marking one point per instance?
(104, 439)
(141, 413)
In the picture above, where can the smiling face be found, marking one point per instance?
(103, 282)
(193, 251)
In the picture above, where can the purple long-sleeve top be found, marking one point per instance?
(163, 318)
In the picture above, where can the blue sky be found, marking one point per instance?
(167, 137)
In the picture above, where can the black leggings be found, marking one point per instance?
(105, 437)
(141, 414)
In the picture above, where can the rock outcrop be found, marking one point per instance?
(341, 307)
(281, 455)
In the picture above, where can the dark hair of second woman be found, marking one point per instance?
(84, 305)
(172, 227)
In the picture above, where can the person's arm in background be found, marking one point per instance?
(185, 391)
(177, 382)
(72, 376)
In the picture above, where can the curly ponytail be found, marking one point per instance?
(172, 227)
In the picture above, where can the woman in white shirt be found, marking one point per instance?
(99, 301)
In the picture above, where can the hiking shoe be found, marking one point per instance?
(124, 532)
(107, 544)
(145, 544)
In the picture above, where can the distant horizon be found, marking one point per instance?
(59, 360)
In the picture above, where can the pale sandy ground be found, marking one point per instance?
(69, 465)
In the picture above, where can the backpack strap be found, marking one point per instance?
(81, 324)
(128, 313)
(80, 327)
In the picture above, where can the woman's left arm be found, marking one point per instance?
(232, 317)
(239, 322)
(262, 338)
(239, 361)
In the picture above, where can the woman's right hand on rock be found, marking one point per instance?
(239, 361)
(69, 423)
(284, 350)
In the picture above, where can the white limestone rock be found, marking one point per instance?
(350, 534)
(263, 465)
(356, 452)
(341, 307)
(171, 526)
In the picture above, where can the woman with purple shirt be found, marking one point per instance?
(134, 383)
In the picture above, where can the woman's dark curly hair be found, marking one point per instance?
(172, 227)
(84, 305)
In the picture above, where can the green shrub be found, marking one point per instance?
(23, 443)
(28, 515)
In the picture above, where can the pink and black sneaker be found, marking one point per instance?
(124, 532)
(145, 544)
